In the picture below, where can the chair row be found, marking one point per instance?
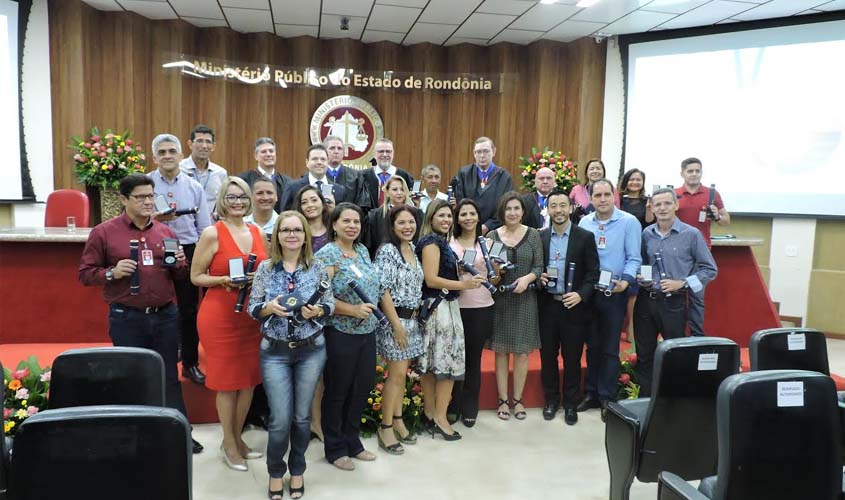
(106, 435)
(700, 420)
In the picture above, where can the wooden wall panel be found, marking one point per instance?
(106, 71)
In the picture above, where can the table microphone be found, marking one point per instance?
(250, 267)
(298, 318)
(135, 277)
(570, 278)
(366, 299)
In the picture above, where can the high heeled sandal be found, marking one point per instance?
(520, 415)
(299, 492)
(436, 429)
(393, 449)
(504, 415)
(408, 439)
(276, 494)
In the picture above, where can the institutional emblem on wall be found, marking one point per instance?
(352, 119)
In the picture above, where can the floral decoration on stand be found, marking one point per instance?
(25, 393)
(104, 159)
(566, 171)
(629, 386)
(412, 402)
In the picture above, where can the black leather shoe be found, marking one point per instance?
(603, 404)
(588, 403)
(570, 416)
(197, 447)
(194, 374)
(550, 410)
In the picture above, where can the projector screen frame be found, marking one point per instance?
(625, 41)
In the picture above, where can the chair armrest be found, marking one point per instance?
(622, 445)
(672, 487)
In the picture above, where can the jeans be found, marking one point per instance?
(290, 377)
(158, 331)
(187, 296)
(349, 378)
(666, 316)
(603, 346)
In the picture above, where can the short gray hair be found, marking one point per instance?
(430, 168)
(165, 138)
(665, 190)
(262, 141)
(330, 138)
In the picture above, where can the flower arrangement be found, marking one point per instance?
(25, 393)
(629, 387)
(566, 171)
(104, 159)
(412, 403)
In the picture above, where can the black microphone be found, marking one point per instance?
(364, 298)
(135, 277)
(512, 287)
(491, 273)
(658, 263)
(570, 278)
(710, 202)
(187, 211)
(425, 314)
(466, 266)
(250, 267)
(298, 318)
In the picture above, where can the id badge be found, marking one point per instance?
(147, 257)
(602, 242)
(702, 216)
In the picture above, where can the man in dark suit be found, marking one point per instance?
(483, 182)
(351, 179)
(537, 203)
(565, 311)
(374, 178)
(265, 157)
(317, 162)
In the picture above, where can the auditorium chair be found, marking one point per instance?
(772, 350)
(102, 453)
(63, 203)
(675, 429)
(774, 443)
(107, 376)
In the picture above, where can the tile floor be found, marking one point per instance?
(526, 460)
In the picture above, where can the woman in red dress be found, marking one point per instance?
(231, 340)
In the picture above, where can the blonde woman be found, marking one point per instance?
(396, 194)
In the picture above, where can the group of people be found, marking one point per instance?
(305, 281)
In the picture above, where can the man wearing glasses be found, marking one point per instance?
(376, 177)
(198, 164)
(483, 182)
(144, 315)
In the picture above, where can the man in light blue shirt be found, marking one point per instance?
(685, 267)
(199, 166)
(182, 192)
(618, 240)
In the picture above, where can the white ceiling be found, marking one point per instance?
(449, 22)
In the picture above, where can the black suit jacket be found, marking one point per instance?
(281, 182)
(356, 189)
(339, 192)
(532, 216)
(468, 185)
(374, 229)
(372, 183)
(583, 252)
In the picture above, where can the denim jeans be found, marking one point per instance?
(603, 346)
(290, 377)
(158, 331)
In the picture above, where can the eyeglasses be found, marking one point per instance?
(231, 198)
(142, 197)
(287, 231)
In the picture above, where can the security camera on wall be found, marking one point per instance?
(344, 23)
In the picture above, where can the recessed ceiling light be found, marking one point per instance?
(548, 2)
(586, 3)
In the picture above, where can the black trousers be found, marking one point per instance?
(560, 334)
(478, 326)
(655, 313)
(349, 377)
(187, 297)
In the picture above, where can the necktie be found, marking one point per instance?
(333, 173)
(382, 177)
(320, 186)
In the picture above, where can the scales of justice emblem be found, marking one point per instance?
(355, 121)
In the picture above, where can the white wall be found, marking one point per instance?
(792, 245)
(37, 116)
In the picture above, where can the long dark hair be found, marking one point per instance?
(390, 221)
(297, 203)
(623, 184)
(456, 227)
(336, 215)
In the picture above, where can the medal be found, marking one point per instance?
(170, 194)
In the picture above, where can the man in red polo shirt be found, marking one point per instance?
(693, 210)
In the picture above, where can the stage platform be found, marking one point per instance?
(201, 404)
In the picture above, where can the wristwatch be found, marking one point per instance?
(110, 274)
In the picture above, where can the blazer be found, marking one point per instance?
(280, 179)
(532, 216)
(374, 229)
(293, 187)
(467, 185)
(581, 250)
(372, 183)
(356, 190)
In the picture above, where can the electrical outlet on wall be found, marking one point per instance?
(791, 250)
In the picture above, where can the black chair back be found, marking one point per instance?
(789, 349)
(107, 376)
(779, 437)
(103, 453)
(679, 428)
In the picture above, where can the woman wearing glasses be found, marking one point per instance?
(230, 339)
(293, 350)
